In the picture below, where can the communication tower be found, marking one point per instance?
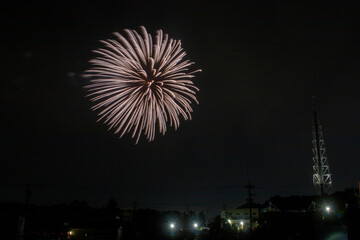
(322, 176)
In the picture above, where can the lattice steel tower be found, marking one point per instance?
(322, 177)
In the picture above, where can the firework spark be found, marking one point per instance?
(138, 84)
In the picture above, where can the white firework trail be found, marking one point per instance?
(137, 84)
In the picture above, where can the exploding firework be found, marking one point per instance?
(137, 84)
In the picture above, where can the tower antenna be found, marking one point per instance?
(321, 177)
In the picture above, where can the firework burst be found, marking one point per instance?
(137, 84)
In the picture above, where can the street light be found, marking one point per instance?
(196, 225)
(172, 230)
(328, 209)
(242, 225)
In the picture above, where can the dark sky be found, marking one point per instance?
(262, 63)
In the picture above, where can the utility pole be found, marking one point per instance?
(207, 213)
(135, 206)
(225, 215)
(28, 194)
(21, 223)
(250, 202)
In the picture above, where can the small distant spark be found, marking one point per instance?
(138, 84)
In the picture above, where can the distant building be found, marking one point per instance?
(291, 204)
(240, 217)
(269, 207)
(95, 233)
(126, 214)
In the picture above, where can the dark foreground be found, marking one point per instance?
(78, 221)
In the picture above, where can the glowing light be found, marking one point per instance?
(196, 225)
(172, 225)
(328, 209)
(229, 221)
(139, 83)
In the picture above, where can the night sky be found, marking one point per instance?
(261, 63)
